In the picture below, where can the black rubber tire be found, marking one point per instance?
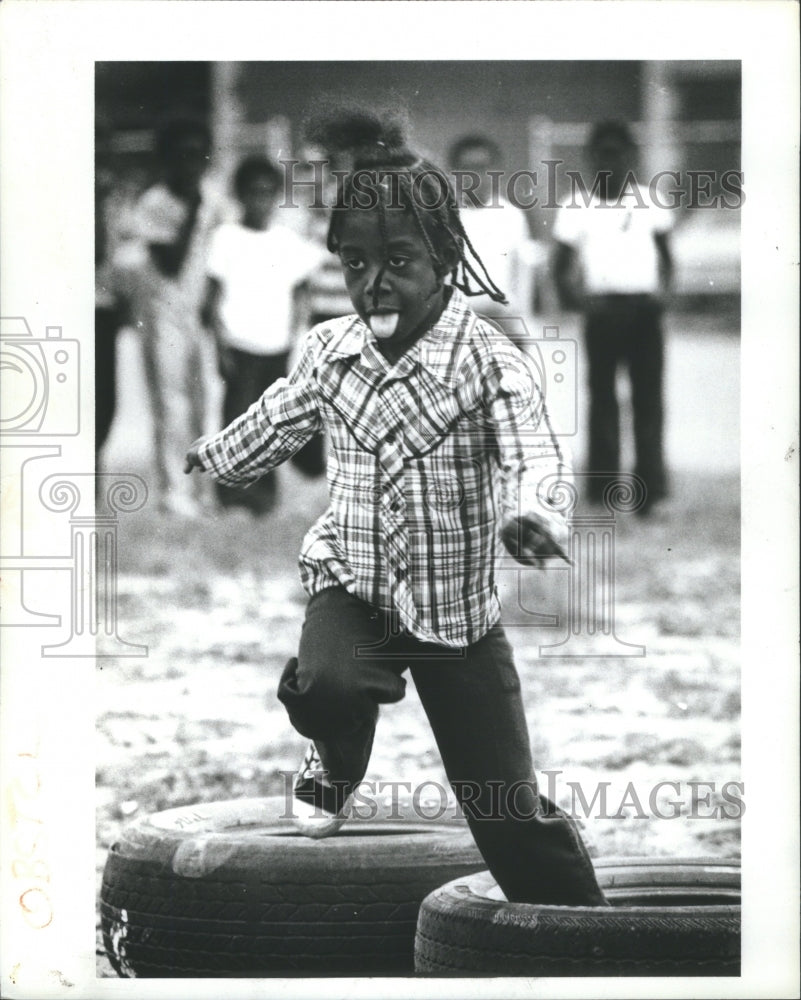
(230, 889)
(668, 918)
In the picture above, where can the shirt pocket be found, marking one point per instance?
(434, 412)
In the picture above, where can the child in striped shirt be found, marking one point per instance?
(441, 452)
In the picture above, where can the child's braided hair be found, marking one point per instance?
(385, 172)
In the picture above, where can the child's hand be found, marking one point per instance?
(192, 460)
(529, 541)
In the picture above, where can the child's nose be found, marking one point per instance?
(375, 280)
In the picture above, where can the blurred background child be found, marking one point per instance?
(253, 268)
(175, 217)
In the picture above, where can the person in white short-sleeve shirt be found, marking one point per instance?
(499, 228)
(252, 269)
(616, 237)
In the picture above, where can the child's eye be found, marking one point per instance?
(398, 262)
(353, 263)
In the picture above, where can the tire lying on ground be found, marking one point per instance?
(230, 889)
(667, 918)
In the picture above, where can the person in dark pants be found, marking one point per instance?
(252, 269)
(620, 238)
(441, 453)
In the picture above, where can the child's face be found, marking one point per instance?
(614, 157)
(258, 201)
(477, 160)
(410, 294)
(188, 162)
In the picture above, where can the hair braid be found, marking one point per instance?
(432, 253)
(464, 283)
(487, 285)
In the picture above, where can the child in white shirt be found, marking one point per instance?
(252, 269)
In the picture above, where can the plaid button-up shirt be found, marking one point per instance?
(427, 458)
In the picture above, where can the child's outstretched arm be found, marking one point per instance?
(531, 460)
(271, 431)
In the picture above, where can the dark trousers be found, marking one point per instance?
(626, 329)
(351, 660)
(107, 324)
(248, 378)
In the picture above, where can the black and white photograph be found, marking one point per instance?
(398, 562)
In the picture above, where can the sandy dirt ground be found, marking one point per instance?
(219, 606)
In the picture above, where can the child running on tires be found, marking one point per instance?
(440, 448)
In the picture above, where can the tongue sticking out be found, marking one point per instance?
(384, 325)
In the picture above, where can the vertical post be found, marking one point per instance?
(660, 144)
(278, 138)
(226, 116)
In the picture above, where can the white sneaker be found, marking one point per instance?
(319, 808)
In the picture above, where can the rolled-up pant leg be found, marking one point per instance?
(333, 688)
(473, 702)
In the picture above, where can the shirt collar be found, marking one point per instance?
(435, 350)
